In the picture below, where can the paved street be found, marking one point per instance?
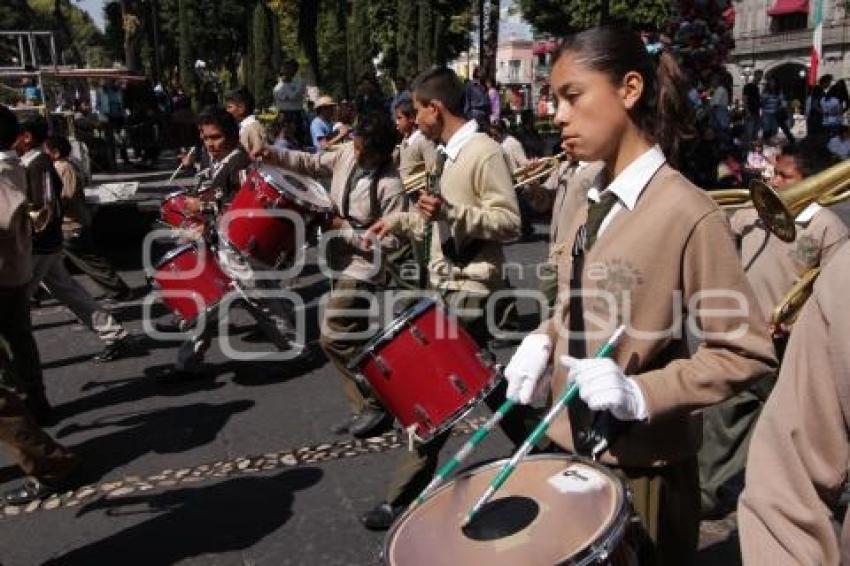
(238, 468)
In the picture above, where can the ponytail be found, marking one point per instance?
(663, 112)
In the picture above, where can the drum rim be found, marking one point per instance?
(392, 330)
(464, 410)
(171, 254)
(311, 206)
(601, 547)
(173, 194)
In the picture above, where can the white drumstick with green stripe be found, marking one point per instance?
(538, 432)
(465, 451)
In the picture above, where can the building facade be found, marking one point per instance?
(776, 36)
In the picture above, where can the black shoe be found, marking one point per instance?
(344, 426)
(381, 517)
(114, 351)
(370, 422)
(29, 491)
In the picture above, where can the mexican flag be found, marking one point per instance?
(817, 43)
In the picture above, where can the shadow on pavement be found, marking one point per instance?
(226, 517)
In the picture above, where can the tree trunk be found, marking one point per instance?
(132, 34)
(263, 75)
(491, 41)
(186, 52)
(308, 23)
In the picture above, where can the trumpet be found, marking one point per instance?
(533, 172)
(778, 210)
(40, 217)
(787, 311)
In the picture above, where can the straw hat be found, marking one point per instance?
(324, 100)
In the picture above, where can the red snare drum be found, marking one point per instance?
(173, 212)
(251, 224)
(191, 280)
(426, 369)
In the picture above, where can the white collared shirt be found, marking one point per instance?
(629, 184)
(28, 157)
(459, 139)
(807, 213)
(10, 155)
(412, 137)
(247, 122)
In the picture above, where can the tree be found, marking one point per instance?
(359, 43)
(407, 64)
(132, 25)
(186, 54)
(264, 74)
(425, 35)
(562, 17)
(491, 39)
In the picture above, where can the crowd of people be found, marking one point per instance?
(634, 242)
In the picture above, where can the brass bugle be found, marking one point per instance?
(778, 210)
(533, 172)
(787, 311)
(731, 198)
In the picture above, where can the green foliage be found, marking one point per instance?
(186, 45)
(360, 51)
(331, 39)
(561, 17)
(406, 59)
(264, 70)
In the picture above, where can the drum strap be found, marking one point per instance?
(356, 175)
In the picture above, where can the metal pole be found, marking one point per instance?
(53, 49)
(32, 49)
(21, 51)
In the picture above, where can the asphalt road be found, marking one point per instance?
(237, 468)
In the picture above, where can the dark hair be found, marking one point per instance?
(378, 134)
(809, 158)
(663, 112)
(220, 118)
(60, 144)
(9, 128)
(405, 106)
(242, 96)
(440, 83)
(35, 126)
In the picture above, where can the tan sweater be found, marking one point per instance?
(347, 254)
(570, 183)
(646, 270)
(773, 266)
(799, 453)
(252, 136)
(514, 152)
(479, 204)
(77, 214)
(15, 225)
(415, 150)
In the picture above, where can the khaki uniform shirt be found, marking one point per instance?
(252, 134)
(479, 204)
(515, 153)
(347, 254)
(774, 266)
(799, 452)
(413, 151)
(15, 225)
(666, 266)
(77, 214)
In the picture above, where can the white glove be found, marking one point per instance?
(604, 387)
(526, 366)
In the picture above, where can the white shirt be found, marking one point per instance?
(28, 157)
(289, 96)
(807, 214)
(629, 184)
(459, 139)
(10, 155)
(247, 122)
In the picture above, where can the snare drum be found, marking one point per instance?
(426, 369)
(173, 212)
(191, 281)
(554, 509)
(253, 224)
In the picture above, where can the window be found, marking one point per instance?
(789, 22)
(513, 70)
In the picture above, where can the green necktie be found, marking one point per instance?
(596, 213)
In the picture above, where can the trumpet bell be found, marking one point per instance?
(773, 211)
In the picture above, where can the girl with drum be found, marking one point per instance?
(645, 248)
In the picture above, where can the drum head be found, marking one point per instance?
(304, 191)
(553, 509)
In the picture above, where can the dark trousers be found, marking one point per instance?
(81, 250)
(33, 449)
(16, 329)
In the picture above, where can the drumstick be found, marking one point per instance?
(464, 451)
(538, 432)
(179, 167)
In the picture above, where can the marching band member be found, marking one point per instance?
(772, 267)
(799, 451)
(653, 252)
(227, 160)
(510, 145)
(364, 187)
(415, 149)
(472, 215)
(240, 104)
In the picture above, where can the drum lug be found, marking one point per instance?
(458, 384)
(381, 365)
(421, 414)
(418, 335)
